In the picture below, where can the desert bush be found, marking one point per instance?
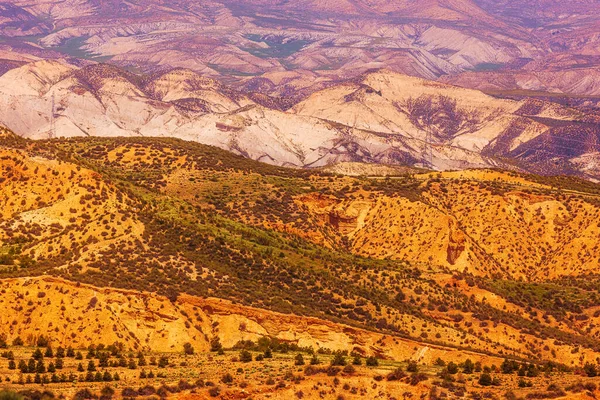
(396, 375)
(245, 356)
(372, 362)
(227, 378)
(84, 394)
(188, 349)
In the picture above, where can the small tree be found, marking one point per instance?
(400, 296)
(215, 344)
(509, 366)
(396, 375)
(590, 370)
(37, 354)
(141, 360)
(163, 362)
(338, 359)
(245, 356)
(299, 359)
(485, 379)
(227, 378)
(23, 367)
(40, 367)
(452, 368)
(91, 353)
(412, 367)
(468, 366)
(107, 392)
(42, 341)
(372, 361)
(439, 362)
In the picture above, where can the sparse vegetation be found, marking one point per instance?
(182, 219)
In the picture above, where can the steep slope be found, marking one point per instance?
(456, 124)
(102, 101)
(57, 205)
(146, 321)
(189, 90)
(578, 81)
(210, 224)
(466, 221)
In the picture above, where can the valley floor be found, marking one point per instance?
(224, 376)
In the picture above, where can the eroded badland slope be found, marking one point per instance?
(76, 315)
(380, 117)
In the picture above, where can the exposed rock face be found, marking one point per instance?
(151, 322)
(456, 245)
(580, 81)
(344, 224)
(382, 118)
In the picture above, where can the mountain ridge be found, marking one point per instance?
(379, 117)
(178, 218)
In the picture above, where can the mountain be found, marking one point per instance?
(148, 235)
(268, 236)
(314, 43)
(381, 117)
(576, 76)
(309, 199)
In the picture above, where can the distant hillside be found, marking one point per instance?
(381, 117)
